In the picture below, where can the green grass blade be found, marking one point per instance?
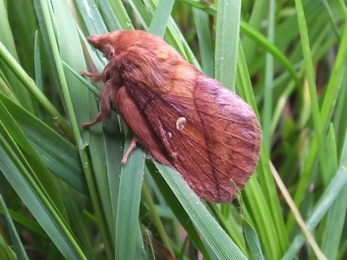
(305, 43)
(60, 156)
(178, 210)
(18, 246)
(121, 14)
(127, 228)
(227, 40)
(269, 82)
(221, 244)
(272, 48)
(20, 173)
(6, 39)
(89, 9)
(161, 17)
(336, 80)
(252, 240)
(266, 206)
(34, 90)
(336, 186)
(6, 251)
(111, 20)
(205, 41)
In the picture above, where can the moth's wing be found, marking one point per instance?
(217, 150)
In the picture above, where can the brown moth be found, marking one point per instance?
(185, 119)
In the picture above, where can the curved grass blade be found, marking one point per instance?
(221, 244)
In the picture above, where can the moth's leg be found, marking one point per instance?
(95, 77)
(128, 152)
(88, 73)
(105, 110)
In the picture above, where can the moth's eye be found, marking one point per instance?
(106, 53)
(110, 54)
(107, 76)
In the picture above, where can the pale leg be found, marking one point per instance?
(128, 152)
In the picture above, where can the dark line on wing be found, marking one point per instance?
(151, 97)
(193, 143)
(203, 171)
(216, 167)
(206, 141)
(149, 100)
(209, 151)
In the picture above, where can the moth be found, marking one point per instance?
(184, 119)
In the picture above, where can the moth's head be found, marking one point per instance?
(120, 41)
(106, 43)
